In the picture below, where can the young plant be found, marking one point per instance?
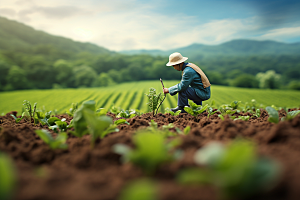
(244, 118)
(168, 110)
(149, 153)
(99, 126)
(126, 114)
(235, 170)
(154, 100)
(73, 109)
(291, 115)
(121, 121)
(101, 111)
(143, 189)
(195, 109)
(273, 115)
(7, 177)
(30, 110)
(18, 119)
(210, 111)
(54, 143)
(79, 121)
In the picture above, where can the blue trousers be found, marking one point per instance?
(189, 93)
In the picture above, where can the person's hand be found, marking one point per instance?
(166, 90)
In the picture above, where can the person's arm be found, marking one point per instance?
(184, 83)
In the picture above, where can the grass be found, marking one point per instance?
(122, 95)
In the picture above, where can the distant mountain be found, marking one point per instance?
(15, 36)
(231, 48)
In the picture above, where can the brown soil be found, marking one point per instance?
(86, 174)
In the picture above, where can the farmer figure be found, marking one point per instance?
(194, 84)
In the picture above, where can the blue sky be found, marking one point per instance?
(159, 24)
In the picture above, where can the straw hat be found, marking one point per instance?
(176, 58)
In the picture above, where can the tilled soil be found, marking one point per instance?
(83, 173)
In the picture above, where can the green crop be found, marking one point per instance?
(101, 111)
(273, 115)
(7, 177)
(30, 109)
(143, 189)
(18, 119)
(126, 114)
(79, 121)
(168, 110)
(244, 118)
(54, 143)
(154, 100)
(149, 153)
(73, 109)
(121, 121)
(99, 126)
(236, 169)
(195, 109)
(291, 115)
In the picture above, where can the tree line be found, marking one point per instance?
(43, 69)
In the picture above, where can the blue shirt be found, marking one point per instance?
(190, 78)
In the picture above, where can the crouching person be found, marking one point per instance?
(194, 84)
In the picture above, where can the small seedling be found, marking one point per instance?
(195, 109)
(149, 153)
(98, 126)
(101, 111)
(121, 121)
(58, 143)
(291, 115)
(168, 110)
(126, 114)
(73, 109)
(273, 115)
(154, 100)
(143, 189)
(236, 169)
(7, 177)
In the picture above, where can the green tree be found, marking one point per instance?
(294, 85)
(115, 75)
(245, 80)
(103, 80)
(4, 69)
(84, 76)
(64, 73)
(269, 79)
(16, 79)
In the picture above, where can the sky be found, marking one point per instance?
(159, 24)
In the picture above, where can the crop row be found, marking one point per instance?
(132, 96)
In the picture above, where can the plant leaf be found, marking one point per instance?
(273, 115)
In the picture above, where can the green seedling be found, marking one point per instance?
(99, 126)
(273, 115)
(154, 100)
(126, 114)
(115, 110)
(291, 115)
(171, 112)
(149, 153)
(143, 189)
(30, 111)
(210, 111)
(195, 109)
(121, 121)
(7, 177)
(79, 121)
(244, 118)
(18, 119)
(101, 111)
(58, 143)
(73, 109)
(236, 169)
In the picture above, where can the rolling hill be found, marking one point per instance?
(231, 48)
(15, 36)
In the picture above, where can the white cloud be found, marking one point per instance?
(281, 33)
(120, 25)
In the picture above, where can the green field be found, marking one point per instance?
(132, 95)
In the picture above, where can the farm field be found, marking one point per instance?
(132, 96)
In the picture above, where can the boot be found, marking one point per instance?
(178, 108)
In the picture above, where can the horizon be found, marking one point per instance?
(159, 25)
